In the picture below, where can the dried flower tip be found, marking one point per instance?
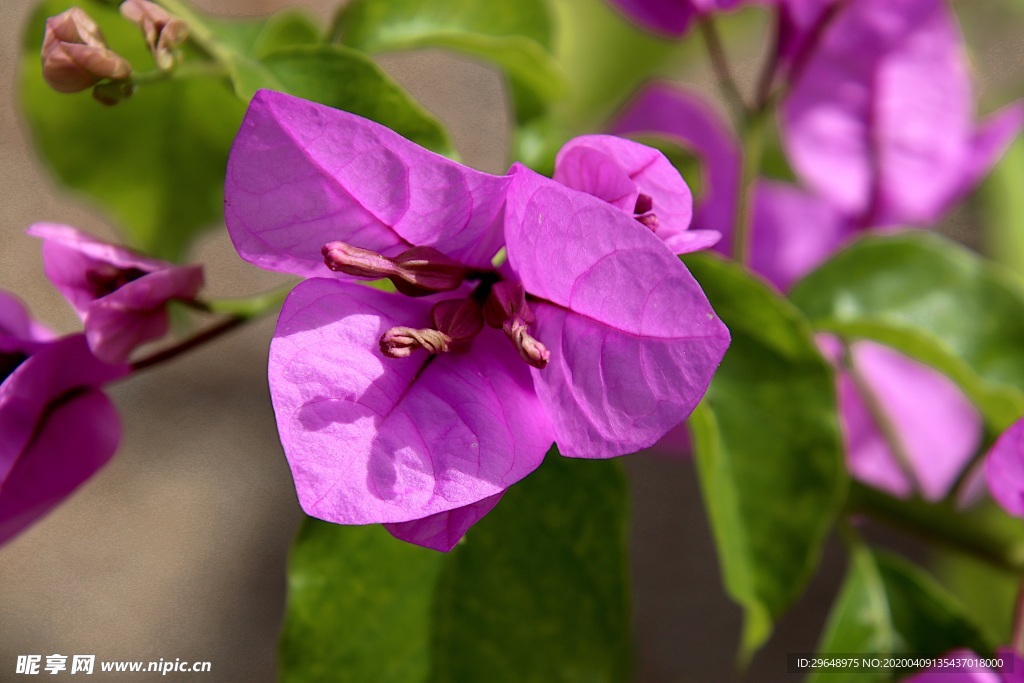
(163, 31)
(530, 350)
(75, 56)
(400, 342)
(459, 319)
(416, 272)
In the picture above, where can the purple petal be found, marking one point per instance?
(801, 22)
(16, 325)
(990, 141)
(301, 175)
(692, 240)
(793, 232)
(53, 371)
(618, 171)
(445, 529)
(1004, 470)
(666, 110)
(73, 439)
(372, 439)
(882, 103)
(937, 426)
(959, 674)
(633, 340)
(137, 312)
(671, 17)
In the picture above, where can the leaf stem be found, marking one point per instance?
(940, 523)
(189, 343)
(753, 147)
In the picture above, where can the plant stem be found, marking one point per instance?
(721, 67)
(753, 146)
(189, 343)
(942, 524)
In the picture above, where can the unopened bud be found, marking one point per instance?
(459, 319)
(400, 342)
(506, 308)
(75, 56)
(113, 92)
(416, 272)
(163, 31)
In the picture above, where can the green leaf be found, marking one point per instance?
(359, 607)
(768, 447)
(887, 606)
(155, 162)
(280, 53)
(934, 301)
(538, 591)
(516, 35)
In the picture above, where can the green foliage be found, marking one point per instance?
(935, 301)
(537, 592)
(768, 447)
(154, 162)
(1003, 206)
(889, 607)
(515, 35)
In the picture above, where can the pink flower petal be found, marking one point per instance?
(372, 439)
(443, 530)
(633, 340)
(1004, 470)
(301, 175)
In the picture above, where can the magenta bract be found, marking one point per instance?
(1004, 470)
(671, 17)
(121, 296)
(409, 411)
(58, 428)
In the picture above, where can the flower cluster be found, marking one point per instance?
(877, 95)
(58, 427)
(419, 408)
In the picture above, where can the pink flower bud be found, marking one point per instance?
(506, 308)
(75, 56)
(459, 319)
(530, 350)
(163, 31)
(344, 258)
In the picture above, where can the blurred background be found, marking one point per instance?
(177, 549)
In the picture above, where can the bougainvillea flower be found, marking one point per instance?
(883, 100)
(1012, 670)
(639, 181)
(420, 411)
(1004, 470)
(936, 427)
(121, 296)
(671, 17)
(58, 428)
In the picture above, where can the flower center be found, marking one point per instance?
(644, 212)
(106, 279)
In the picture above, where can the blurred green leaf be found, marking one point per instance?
(280, 53)
(887, 606)
(768, 447)
(359, 607)
(538, 591)
(1003, 206)
(935, 301)
(154, 162)
(515, 35)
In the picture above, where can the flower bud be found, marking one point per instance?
(415, 272)
(506, 307)
(113, 92)
(459, 319)
(163, 31)
(75, 56)
(644, 212)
